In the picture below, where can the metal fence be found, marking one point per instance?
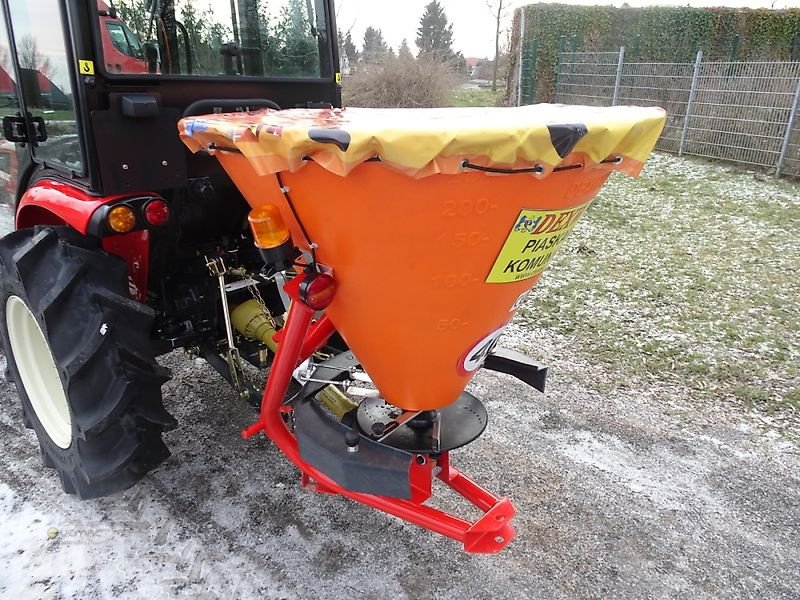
(744, 112)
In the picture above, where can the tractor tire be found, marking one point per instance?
(78, 349)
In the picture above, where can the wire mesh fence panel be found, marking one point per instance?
(741, 110)
(527, 80)
(586, 78)
(659, 84)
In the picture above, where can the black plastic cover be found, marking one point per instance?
(565, 136)
(374, 469)
(139, 106)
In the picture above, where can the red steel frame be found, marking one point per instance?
(299, 339)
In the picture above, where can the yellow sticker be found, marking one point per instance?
(86, 67)
(338, 77)
(534, 239)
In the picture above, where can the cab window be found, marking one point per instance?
(203, 38)
(45, 83)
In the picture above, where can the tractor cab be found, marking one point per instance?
(91, 92)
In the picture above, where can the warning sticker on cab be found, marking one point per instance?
(534, 239)
(86, 67)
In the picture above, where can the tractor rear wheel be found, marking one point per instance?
(78, 349)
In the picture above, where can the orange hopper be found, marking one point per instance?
(435, 222)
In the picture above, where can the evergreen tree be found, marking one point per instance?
(435, 33)
(299, 52)
(250, 36)
(459, 65)
(375, 48)
(350, 49)
(405, 51)
(270, 45)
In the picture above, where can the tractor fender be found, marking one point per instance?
(52, 202)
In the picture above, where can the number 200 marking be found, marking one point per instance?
(468, 206)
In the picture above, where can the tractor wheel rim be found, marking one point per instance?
(38, 372)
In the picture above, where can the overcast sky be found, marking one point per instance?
(473, 25)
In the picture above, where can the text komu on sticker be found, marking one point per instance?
(534, 239)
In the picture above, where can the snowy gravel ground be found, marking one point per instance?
(626, 485)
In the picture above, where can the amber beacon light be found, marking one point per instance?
(271, 236)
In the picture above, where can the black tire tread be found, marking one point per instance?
(100, 339)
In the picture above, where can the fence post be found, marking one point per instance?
(789, 128)
(521, 56)
(533, 59)
(692, 90)
(559, 61)
(619, 75)
(735, 48)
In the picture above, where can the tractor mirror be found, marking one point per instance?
(151, 57)
(14, 129)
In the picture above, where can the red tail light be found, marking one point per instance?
(317, 290)
(157, 213)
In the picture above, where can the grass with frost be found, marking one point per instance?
(686, 276)
(481, 97)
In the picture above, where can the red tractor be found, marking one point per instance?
(116, 221)
(283, 239)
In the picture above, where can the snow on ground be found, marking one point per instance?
(685, 276)
(6, 218)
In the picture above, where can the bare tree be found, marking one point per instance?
(29, 57)
(5, 59)
(497, 13)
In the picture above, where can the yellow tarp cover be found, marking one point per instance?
(423, 142)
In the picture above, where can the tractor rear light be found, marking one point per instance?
(121, 219)
(156, 213)
(269, 230)
(317, 290)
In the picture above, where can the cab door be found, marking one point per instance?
(41, 69)
(13, 157)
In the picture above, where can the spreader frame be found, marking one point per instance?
(303, 335)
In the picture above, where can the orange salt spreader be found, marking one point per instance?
(414, 235)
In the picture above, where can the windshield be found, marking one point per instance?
(255, 38)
